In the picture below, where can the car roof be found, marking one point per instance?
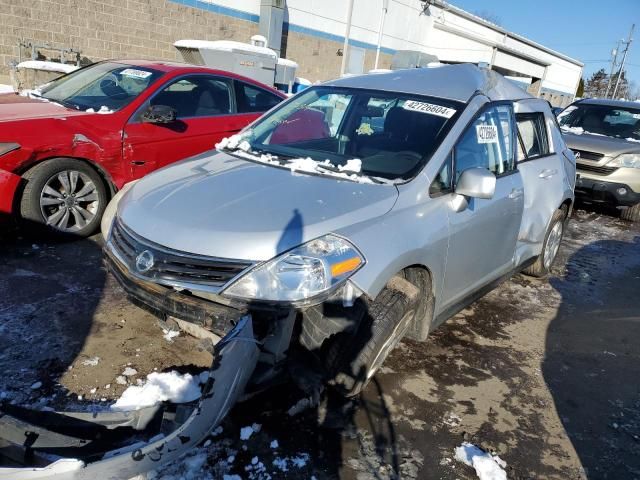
(169, 66)
(454, 82)
(609, 102)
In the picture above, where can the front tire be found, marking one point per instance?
(353, 359)
(632, 214)
(64, 196)
(552, 240)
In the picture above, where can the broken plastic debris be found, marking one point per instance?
(91, 362)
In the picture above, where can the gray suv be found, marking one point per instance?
(354, 214)
(605, 136)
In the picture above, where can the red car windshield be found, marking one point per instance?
(105, 87)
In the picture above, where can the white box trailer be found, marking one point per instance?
(252, 60)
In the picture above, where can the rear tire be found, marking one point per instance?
(632, 214)
(353, 358)
(63, 196)
(541, 267)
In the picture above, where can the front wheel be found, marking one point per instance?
(64, 195)
(550, 247)
(353, 359)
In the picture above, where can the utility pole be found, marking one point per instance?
(624, 58)
(385, 7)
(614, 61)
(345, 48)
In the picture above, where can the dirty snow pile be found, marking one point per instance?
(161, 387)
(487, 466)
(349, 171)
(6, 88)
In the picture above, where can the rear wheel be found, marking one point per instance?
(632, 213)
(550, 247)
(64, 195)
(353, 359)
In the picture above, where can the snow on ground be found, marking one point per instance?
(169, 335)
(160, 387)
(6, 88)
(487, 466)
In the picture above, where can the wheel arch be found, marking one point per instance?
(104, 175)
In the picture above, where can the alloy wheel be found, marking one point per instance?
(69, 201)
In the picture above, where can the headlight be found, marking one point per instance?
(628, 160)
(304, 272)
(8, 147)
(110, 212)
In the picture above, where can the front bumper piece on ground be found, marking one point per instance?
(119, 445)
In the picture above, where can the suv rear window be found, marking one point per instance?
(532, 134)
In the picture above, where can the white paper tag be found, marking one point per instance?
(429, 108)
(487, 133)
(132, 72)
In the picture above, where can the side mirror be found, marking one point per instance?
(159, 114)
(476, 183)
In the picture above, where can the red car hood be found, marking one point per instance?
(15, 107)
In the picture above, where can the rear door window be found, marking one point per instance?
(532, 133)
(254, 99)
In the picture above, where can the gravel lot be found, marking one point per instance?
(543, 373)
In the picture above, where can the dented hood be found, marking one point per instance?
(222, 206)
(16, 107)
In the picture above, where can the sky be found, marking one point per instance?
(586, 30)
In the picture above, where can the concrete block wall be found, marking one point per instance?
(111, 28)
(147, 29)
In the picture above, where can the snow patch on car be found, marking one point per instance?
(160, 387)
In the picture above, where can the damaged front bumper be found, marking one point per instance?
(120, 445)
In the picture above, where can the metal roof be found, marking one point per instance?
(453, 82)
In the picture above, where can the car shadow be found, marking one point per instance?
(50, 288)
(592, 361)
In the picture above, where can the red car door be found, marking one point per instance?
(206, 112)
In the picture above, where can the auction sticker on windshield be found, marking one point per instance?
(487, 133)
(429, 108)
(132, 72)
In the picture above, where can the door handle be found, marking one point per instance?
(516, 193)
(548, 173)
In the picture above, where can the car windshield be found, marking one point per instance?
(616, 122)
(105, 87)
(376, 134)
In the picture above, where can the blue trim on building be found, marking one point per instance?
(336, 38)
(219, 9)
(232, 12)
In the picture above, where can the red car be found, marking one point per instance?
(68, 146)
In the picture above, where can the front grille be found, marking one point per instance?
(603, 170)
(588, 155)
(171, 267)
